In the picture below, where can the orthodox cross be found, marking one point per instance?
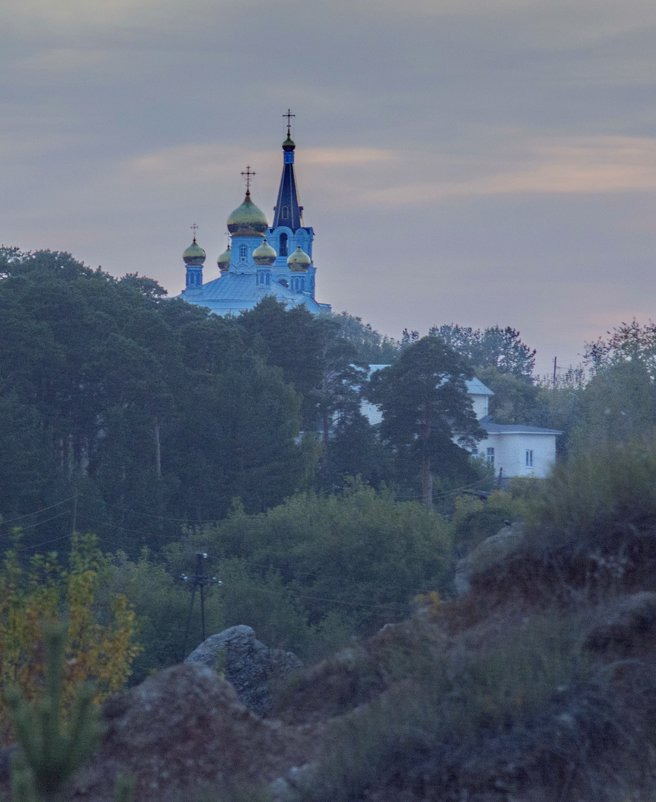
(248, 174)
(289, 116)
(194, 228)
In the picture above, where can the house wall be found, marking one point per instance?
(510, 453)
(480, 404)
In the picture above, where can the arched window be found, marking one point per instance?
(282, 250)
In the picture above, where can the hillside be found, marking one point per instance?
(538, 683)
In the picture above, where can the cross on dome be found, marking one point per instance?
(194, 228)
(289, 116)
(248, 174)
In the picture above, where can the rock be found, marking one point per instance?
(491, 550)
(628, 625)
(181, 733)
(247, 664)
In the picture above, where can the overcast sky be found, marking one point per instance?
(472, 161)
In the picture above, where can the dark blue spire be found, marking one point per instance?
(288, 211)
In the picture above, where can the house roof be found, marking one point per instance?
(476, 387)
(514, 428)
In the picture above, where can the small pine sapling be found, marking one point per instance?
(50, 748)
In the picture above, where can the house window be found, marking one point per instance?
(529, 457)
(490, 456)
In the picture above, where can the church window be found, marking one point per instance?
(282, 250)
(243, 252)
(285, 213)
(490, 457)
(529, 457)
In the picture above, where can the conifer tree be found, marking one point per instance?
(50, 749)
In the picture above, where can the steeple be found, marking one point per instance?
(288, 211)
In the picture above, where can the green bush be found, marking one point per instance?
(596, 498)
(475, 519)
(326, 567)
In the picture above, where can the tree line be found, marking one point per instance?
(164, 430)
(151, 414)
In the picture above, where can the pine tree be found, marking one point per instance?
(50, 749)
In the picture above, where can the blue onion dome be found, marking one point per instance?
(247, 218)
(299, 260)
(194, 254)
(224, 260)
(264, 254)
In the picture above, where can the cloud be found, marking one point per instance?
(347, 156)
(571, 165)
(75, 16)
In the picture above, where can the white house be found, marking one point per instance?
(512, 450)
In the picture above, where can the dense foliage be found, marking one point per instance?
(100, 636)
(427, 412)
(318, 569)
(150, 412)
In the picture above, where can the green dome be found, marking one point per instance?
(299, 260)
(247, 218)
(264, 254)
(194, 254)
(224, 260)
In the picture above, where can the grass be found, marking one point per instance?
(530, 703)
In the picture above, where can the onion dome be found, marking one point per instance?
(288, 144)
(264, 255)
(194, 254)
(224, 260)
(299, 260)
(247, 218)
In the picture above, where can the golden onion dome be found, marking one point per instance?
(194, 254)
(224, 260)
(264, 254)
(299, 260)
(247, 218)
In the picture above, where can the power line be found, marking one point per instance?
(36, 512)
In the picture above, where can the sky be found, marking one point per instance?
(481, 162)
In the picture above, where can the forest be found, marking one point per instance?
(137, 431)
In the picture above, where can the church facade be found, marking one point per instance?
(261, 260)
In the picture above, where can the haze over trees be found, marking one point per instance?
(166, 431)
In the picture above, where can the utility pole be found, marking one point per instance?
(198, 580)
(554, 370)
(74, 517)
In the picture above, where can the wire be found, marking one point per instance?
(36, 512)
(47, 520)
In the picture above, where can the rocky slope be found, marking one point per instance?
(536, 684)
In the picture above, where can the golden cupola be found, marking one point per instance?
(299, 260)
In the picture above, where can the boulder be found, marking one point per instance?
(182, 733)
(629, 625)
(249, 665)
(492, 550)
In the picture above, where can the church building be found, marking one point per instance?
(260, 259)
